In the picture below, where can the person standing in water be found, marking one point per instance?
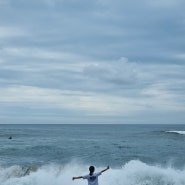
(92, 177)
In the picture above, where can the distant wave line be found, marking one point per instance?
(176, 132)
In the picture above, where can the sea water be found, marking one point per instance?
(53, 154)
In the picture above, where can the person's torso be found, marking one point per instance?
(93, 179)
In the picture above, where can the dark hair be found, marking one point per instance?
(91, 169)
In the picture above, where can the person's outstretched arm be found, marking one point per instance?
(105, 169)
(79, 177)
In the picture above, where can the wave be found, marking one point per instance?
(176, 132)
(132, 173)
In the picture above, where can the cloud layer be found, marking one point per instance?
(92, 61)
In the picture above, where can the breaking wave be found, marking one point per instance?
(132, 173)
(176, 132)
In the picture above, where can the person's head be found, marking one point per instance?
(91, 169)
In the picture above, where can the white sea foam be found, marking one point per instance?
(132, 173)
(176, 132)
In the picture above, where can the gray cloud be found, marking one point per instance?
(64, 58)
(71, 26)
(119, 72)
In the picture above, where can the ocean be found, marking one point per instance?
(53, 154)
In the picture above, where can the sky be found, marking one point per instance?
(92, 62)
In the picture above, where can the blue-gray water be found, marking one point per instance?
(158, 150)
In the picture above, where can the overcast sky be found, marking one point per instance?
(92, 61)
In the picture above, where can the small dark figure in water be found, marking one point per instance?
(10, 137)
(92, 177)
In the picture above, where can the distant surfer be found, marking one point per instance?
(10, 137)
(92, 177)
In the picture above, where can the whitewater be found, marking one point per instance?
(132, 173)
(53, 154)
(176, 132)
